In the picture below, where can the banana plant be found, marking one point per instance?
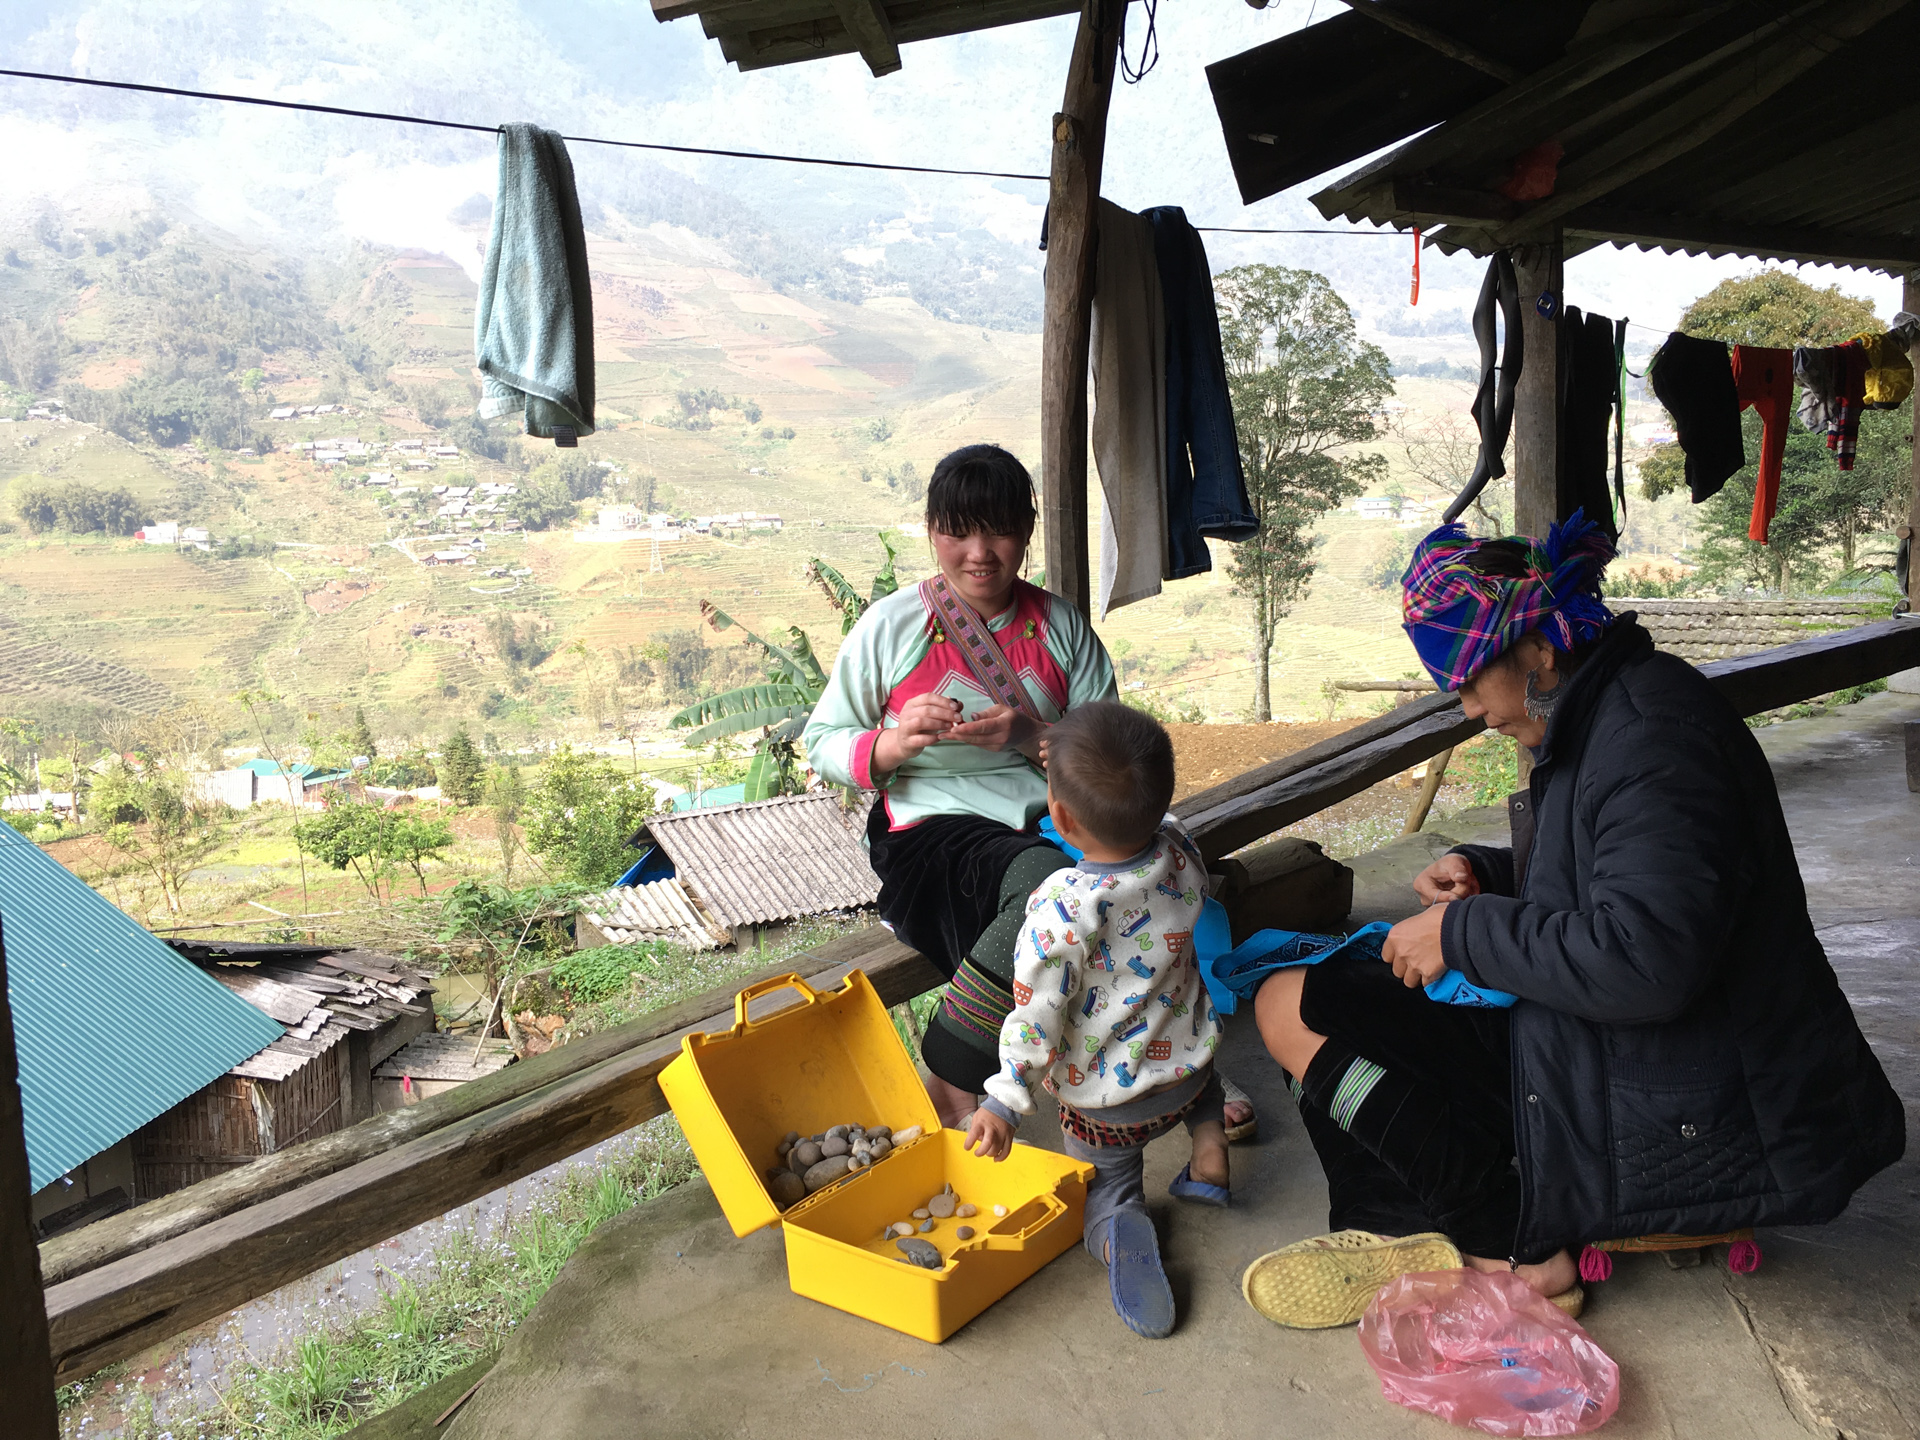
(781, 707)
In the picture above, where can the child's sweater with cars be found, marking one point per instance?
(1109, 1004)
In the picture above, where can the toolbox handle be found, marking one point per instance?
(790, 981)
(1052, 1208)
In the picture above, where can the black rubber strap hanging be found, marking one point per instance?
(1493, 403)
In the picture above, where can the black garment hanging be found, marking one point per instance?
(1493, 402)
(1694, 380)
(1589, 383)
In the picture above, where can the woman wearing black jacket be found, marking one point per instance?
(1680, 1058)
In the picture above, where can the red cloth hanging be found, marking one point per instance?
(1763, 378)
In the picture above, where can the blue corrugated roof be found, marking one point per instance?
(113, 1027)
(270, 768)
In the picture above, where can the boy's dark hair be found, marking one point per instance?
(980, 488)
(1112, 766)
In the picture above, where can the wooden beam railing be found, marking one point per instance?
(134, 1279)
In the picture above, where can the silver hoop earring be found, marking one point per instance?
(1540, 703)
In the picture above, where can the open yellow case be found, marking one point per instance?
(834, 1058)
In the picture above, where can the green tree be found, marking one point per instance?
(372, 841)
(541, 504)
(1304, 388)
(507, 795)
(462, 772)
(360, 738)
(1824, 514)
(580, 815)
(155, 823)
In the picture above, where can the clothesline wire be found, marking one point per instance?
(397, 119)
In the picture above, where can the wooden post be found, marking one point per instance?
(1910, 300)
(1536, 401)
(1079, 142)
(26, 1360)
(1429, 788)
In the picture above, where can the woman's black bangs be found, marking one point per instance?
(981, 496)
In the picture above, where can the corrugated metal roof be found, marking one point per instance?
(659, 910)
(112, 1026)
(773, 859)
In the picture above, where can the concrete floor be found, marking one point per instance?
(665, 1324)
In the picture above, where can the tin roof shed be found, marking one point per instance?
(769, 860)
(113, 1027)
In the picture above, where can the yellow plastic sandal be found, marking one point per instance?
(1329, 1280)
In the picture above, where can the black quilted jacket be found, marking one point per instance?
(1683, 1058)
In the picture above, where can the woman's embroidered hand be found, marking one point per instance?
(1413, 948)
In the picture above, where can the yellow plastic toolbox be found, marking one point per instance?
(835, 1058)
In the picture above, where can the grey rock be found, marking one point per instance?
(826, 1172)
(967, 1211)
(838, 1132)
(914, 1251)
(922, 1213)
(965, 1232)
(834, 1145)
(794, 1163)
(941, 1206)
(879, 1132)
(877, 1148)
(792, 1137)
(786, 1188)
(810, 1154)
(925, 1226)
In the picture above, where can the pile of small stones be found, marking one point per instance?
(944, 1206)
(809, 1163)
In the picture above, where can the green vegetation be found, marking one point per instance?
(1304, 389)
(580, 815)
(374, 841)
(462, 771)
(81, 509)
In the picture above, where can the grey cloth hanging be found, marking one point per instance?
(533, 325)
(1493, 402)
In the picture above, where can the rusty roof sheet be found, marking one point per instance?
(658, 910)
(319, 994)
(772, 859)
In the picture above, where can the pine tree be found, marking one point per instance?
(360, 738)
(462, 773)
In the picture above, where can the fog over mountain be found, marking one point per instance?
(963, 247)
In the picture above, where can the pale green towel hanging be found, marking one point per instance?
(533, 327)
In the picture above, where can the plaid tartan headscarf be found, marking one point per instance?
(1467, 600)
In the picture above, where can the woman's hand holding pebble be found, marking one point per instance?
(1450, 877)
(924, 720)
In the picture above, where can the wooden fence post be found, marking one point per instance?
(1079, 142)
(26, 1359)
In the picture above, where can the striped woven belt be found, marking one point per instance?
(975, 1004)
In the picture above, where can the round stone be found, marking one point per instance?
(794, 1162)
(919, 1252)
(826, 1172)
(999, 1209)
(965, 1232)
(922, 1213)
(810, 1154)
(877, 1148)
(792, 1137)
(786, 1188)
(834, 1145)
(940, 1206)
(878, 1132)
(838, 1132)
(901, 1227)
(785, 1146)
(912, 1132)
(967, 1211)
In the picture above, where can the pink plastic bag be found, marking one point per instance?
(1487, 1352)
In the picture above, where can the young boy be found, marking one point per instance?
(1110, 1012)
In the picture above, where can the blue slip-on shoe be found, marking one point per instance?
(1141, 1295)
(1199, 1192)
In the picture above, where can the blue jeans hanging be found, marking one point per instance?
(1206, 488)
